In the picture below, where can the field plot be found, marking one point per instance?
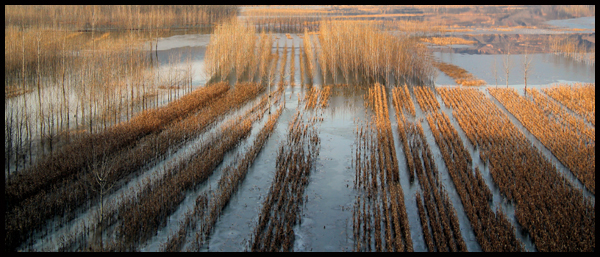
(296, 128)
(489, 128)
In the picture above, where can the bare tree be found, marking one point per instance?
(495, 70)
(507, 63)
(526, 68)
(100, 170)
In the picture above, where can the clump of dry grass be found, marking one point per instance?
(448, 41)
(460, 75)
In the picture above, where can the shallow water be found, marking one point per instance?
(545, 69)
(577, 23)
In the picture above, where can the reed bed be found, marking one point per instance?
(230, 49)
(460, 75)
(74, 85)
(325, 95)
(426, 99)
(281, 209)
(402, 103)
(284, 20)
(579, 98)
(301, 60)
(565, 143)
(123, 17)
(150, 210)
(92, 62)
(311, 98)
(442, 41)
(492, 229)
(317, 98)
(379, 218)
(176, 242)
(264, 59)
(548, 207)
(401, 97)
(233, 176)
(344, 44)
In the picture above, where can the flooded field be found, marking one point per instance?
(271, 158)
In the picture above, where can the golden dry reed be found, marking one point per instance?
(579, 98)
(448, 41)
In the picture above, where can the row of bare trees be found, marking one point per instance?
(548, 206)
(363, 50)
(236, 48)
(80, 69)
(122, 164)
(570, 47)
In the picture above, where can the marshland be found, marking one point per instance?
(300, 128)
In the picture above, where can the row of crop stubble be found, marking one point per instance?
(281, 209)
(492, 229)
(381, 200)
(548, 207)
(434, 207)
(574, 151)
